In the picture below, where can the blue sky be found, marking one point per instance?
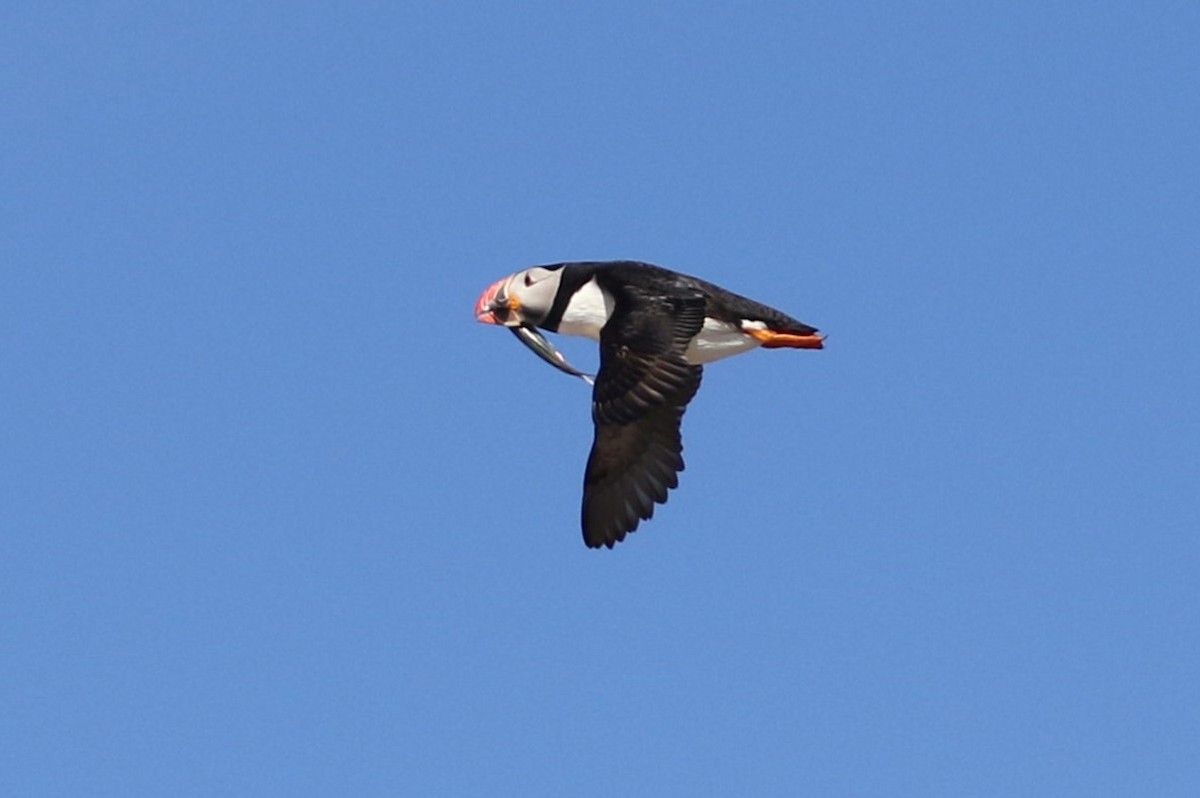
(278, 518)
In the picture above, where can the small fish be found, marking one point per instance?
(533, 338)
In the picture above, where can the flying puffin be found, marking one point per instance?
(656, 329)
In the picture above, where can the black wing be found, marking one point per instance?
(641, 392)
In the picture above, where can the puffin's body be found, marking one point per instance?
(656, 329)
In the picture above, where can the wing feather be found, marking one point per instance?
(638, 402)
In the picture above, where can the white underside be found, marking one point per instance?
(718, 339)
(591, 306)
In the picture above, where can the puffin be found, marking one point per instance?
(657, 329)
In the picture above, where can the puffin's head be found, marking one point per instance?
(521, 299)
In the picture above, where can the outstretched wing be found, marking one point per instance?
(638, 401)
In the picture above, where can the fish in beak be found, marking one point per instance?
(533, 338)
(499, 305)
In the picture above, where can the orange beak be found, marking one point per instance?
(485, 305)
(494, 299)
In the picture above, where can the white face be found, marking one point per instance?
(535, 289)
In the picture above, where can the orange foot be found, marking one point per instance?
(780, 340)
